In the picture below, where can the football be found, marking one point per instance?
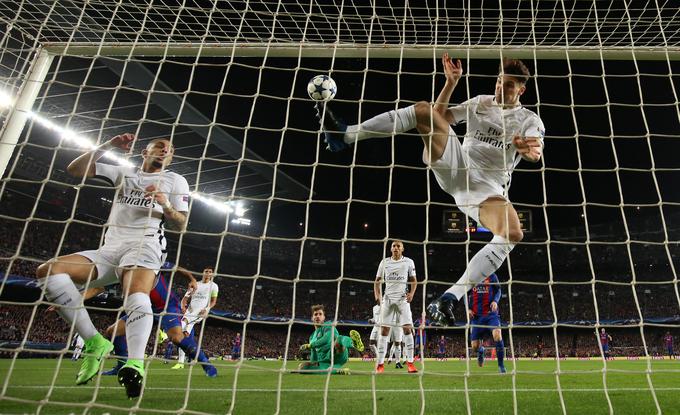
(322, 88)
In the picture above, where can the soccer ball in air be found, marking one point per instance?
(322, 88)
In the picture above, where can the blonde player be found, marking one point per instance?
(500, 133)
(398, 273)
(203, 298)
(134, 249)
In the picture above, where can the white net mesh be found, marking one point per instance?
(286, 224)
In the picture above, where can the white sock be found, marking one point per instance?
(180, 355)
(375, 350)
(484, 263)
(397, 353)
(59, 289)
(382, 348)
(383, 125)
(138, 324)
(408, 345)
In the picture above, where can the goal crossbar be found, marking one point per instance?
(351, 50)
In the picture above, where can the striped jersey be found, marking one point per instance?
(483, 294)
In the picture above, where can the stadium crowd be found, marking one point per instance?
(585, 286)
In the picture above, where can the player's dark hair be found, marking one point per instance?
(317, 307)
(515, 68)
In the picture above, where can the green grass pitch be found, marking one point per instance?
(441, 390)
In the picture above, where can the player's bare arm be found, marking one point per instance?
(413, 282)
(192, 284)
(453, 70)
(174, 218)
(529, 148)
(83, 165)
(376, 289)
(206, 311)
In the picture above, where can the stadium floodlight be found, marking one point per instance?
(235, 207)
(85, 143)
(6, 100)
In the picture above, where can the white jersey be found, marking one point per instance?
(200, 298)
(130, 216)
(486, 147)
(78, 342)
(396, 275)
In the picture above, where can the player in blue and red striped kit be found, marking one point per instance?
(604, 341)
(668, 342)
(163, 300)
(483, 310)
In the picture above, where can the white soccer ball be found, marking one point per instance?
(322, 88)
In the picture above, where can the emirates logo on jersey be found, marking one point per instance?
(493, 137)
(136, 198)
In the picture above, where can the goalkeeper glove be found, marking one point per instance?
(305, 346)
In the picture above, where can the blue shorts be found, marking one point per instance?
(491, 320)
(605, 347)
(670, 350)
(236, 350)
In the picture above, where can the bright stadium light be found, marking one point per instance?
(6, 100)
(235, 207)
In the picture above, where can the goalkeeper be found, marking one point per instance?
(325, 343)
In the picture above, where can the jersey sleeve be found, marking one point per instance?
(460, 112)
(214, 291)
(109, 173)
(534, 127)
(496, 286)
(180, 195)
(381, 270)
(412, 269)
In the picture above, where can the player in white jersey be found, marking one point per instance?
(373, 340)
(133, 252)
(398, 273)
(77, 344)
(200, 300)
(500, 132)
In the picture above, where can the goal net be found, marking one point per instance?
(590, 302)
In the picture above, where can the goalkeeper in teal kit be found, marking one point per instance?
(325, 343)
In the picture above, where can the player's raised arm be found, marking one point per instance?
(84, 165)
(452, 71)
(190, 278)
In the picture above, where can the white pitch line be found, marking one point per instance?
(300, 390)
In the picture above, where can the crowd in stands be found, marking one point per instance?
(282, 279)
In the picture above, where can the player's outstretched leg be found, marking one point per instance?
(333, 128)
(190, 348)
(131, 377)
(440, 311)
(96, 349)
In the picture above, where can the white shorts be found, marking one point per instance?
(112, 257)
(468, 187)
(397, 334)
(189, 321)
(395, 313)
(375, 333)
